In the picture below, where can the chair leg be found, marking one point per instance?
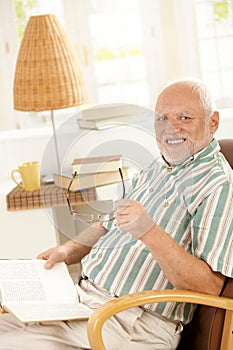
(227, 336)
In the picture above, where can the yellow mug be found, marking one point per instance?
(30, 175)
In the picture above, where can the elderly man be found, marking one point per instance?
(174, 230)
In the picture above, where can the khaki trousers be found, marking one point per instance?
(133, 329)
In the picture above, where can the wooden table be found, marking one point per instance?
(48, 195)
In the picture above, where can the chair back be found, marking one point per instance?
(204, 332)
(227, 149)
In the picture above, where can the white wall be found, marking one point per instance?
(226, 124)
(24, 233)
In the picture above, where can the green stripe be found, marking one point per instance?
(217, 215)
(134, 272)
(115, 268)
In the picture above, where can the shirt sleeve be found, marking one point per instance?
(212, 230)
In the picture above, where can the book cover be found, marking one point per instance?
(112, 110)
(32, 293)
(85, 181)
(110, 122)
(92, 165)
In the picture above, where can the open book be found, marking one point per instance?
(32, 293)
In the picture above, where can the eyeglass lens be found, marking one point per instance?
(85, 217)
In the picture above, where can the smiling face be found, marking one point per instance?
(183, 123)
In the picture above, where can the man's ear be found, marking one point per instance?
(214, 122)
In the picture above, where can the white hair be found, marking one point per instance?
(200, 89)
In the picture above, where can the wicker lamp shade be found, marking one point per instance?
(47, 74)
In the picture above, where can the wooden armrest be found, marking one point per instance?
(112, 307)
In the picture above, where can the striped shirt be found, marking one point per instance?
(193, 203)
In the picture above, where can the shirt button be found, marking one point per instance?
(151, 190)
(99, 256)
(169, 170)
(166, 204)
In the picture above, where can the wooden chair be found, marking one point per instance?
(212, 324)
(99, 316)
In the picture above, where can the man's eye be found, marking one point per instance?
(185, 117)
(161, 119)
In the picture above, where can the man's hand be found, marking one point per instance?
(73, 251)
(70, 252)
(131, 216)
(54, 255)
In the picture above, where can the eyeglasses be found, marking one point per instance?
(95, 217)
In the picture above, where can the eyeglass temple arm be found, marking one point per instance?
(68, 191)
(73, 176)
(123, 183)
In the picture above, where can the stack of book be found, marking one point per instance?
(93, 172)
(111, 115)
(93, 165)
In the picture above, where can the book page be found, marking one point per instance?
(32, 293)
(28, 280)
(49, 312)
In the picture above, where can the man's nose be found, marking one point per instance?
(174, 126)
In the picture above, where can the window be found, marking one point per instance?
(26, 8)
(118, 58)
(128, 48)
(214, 21)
